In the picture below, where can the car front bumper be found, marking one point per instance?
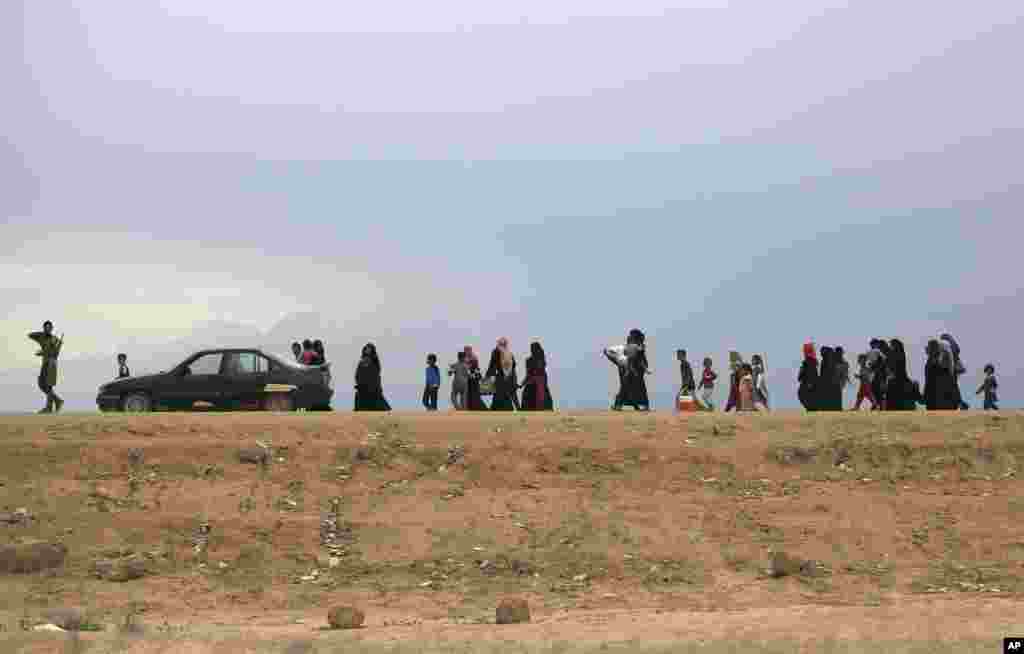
(108, 402)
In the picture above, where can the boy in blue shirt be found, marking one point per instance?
(433, 383)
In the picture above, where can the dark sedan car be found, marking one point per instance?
(224, 380)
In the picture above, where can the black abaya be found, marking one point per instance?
(808, 381)
(369, 390)
(536, 393)
(504, 385)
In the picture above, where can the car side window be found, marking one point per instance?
(208, 364)
(245, 363)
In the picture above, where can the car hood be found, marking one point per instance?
(129, 382)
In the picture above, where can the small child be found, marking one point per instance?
(865, 376)
(122, 366)
(707, 384)
(988, 387)
(432, 385)
(459, 372)
(688, 385)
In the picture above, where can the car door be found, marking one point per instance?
(245, 376)
(195, 384)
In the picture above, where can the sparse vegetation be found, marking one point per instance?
(576, 511)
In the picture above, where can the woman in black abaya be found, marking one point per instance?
(939, 382)
(369, 389)
(536, 393)
(808, 379)
(632, 385)
(827, 380)
(502, 369)
(901, 394)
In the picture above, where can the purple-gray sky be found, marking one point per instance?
(720, 174)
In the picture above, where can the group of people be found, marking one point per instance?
(470, 382)
(309, 352)
(884, 379)
(748, 383)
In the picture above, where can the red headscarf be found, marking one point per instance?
(809, 352)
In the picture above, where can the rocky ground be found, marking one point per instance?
(258, 532)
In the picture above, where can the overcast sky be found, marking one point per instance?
(720, 174)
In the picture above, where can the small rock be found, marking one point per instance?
(119, 570)
(32, 557)
(345, 617)
(361, 454)
(521, 568)
(512, 611)
(253, 455)
(489, 568)
(783, 565)
(48, 627)
(66, 619)
(299, 647)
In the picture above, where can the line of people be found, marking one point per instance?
(884, 379)
(470, 383)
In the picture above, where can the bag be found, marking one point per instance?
(617, 355)
(487, 386)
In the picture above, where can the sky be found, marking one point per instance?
(720, 174)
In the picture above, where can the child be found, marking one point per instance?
(760, 383)
(459, 372)
(122, 366)
(707, 384)
(686, 374)
(865, 377)
(433, 383)
(989, 387)
(745, 399)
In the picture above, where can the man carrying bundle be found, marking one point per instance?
(49, 350)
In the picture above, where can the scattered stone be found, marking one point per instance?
(361, 454)
(489, 568)
(48, 627)
(17, 517)
(521, 568)
(345, 617)
(123, 569)
(66, 619)
(299, 646)
(32, 557)
(512, 611)
(253, 455)
(135, 457)
(783, 565)
(456, 453)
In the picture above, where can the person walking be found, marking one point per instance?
(433, 383)
(536, 392)
(369, 387)
(459, 372)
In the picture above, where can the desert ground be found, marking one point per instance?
(623, 532)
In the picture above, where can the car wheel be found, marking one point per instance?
(137, 403)
(279, 402)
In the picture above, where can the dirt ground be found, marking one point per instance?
(616, 528)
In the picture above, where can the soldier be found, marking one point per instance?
(49, 350)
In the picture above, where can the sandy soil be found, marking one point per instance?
(613, 526)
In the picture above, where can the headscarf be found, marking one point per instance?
(471, 359)
(735, 360)
(537, 352)
(809, 352)
(506, 356)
